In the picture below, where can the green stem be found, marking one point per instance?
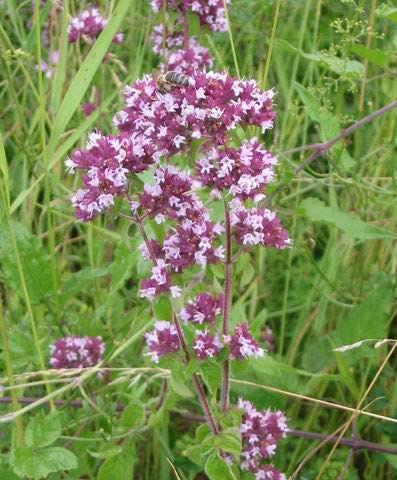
(10, 374)
(269, 52)
(231, 40)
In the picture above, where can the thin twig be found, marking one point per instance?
(321, 148)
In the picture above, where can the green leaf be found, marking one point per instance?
(337, 65)
(212, 375)
(384, 11)
(247, 276)
(43, 431)
(39, 463)
(121, 267)
(376, 57)
(85, 74)
(178, 381)
(80, 281)
(317, 211)
(163, 308)
(118, 467)
(35, 263)
(4, 173)
(369, 319)
(230, 440)
(217, 469)
(133, 415)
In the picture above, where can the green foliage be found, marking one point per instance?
(317, 211)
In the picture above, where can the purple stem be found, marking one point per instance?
(226, 307)
(196, 380)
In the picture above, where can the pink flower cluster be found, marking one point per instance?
(162, 340)
(258, 226)
(211, 12)
(206, 345)
(260, 432)
(243, 345)
(88, 25)
(208, 108)
(244, 171)
(172, 39)
(77, 352)
(203, 309)
(187, 60)
(191, 241)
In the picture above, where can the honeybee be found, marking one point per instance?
(166, 81)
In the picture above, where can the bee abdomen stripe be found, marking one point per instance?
(177, 78)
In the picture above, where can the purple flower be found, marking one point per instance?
(163, 340)
(76, 352)
(211, 12)
(170, 197)
(244, 171)
(268, 472)
(260, 433)
(192, 243)
(90, 24)
(159, 282)
(187, 61)
(243, 345)
(87, 108)
(254, 226)
(203, 309)
(267, 336)
(209, 107)
(172, 39)
(206, 345)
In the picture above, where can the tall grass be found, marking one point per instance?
(336, 286)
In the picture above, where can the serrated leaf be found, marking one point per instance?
(43, 431)
(317, 211)
(217, 469)
(35, 263)
(39, 463)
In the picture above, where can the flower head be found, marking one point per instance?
(188, 60)
(260, 432)
(162, 340)
(206, 345)
(211, 13)
(203, 309)
(244, 171)
(258, 226)
(89, 24)
(243, 345)
(76, 352)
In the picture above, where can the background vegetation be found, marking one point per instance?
(331, 62)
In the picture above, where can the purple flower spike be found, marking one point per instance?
(211, 12)
(206, 345)
(260, 432)
(244, 172)
(243, 345)
(203, 309)
(258, 226)
(90, 24)
(163, 340)
(76, 352)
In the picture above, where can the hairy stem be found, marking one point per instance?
(226, 307)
